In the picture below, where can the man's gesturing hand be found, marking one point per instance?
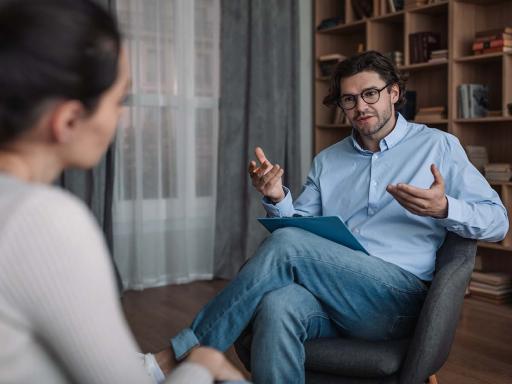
(267, 177)
(423, 202)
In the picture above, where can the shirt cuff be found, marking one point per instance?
(282, 209)
(455, 212)
(190, 373)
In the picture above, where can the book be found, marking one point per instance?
(493, 50)
(504, 36)
(491, 44)
(327, 63)
(421, 46)
(478, 156)
(493, 278)
(329, 227)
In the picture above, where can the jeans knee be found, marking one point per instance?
(276, 308)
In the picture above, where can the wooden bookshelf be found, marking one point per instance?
(456, 22)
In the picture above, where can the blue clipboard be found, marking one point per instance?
(329, 227)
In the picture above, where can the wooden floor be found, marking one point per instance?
(481, 354)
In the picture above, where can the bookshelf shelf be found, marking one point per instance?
(483, 57)
(390, 17)
(496, 246)
(497, 119)
(419, 66)
(432, 122)
(501, 183)
(432, 9)
(358, 25)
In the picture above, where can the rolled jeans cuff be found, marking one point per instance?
(183, 342)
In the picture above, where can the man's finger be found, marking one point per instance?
(417, 201)
(260, 155)
(275, 169)
(252, 167)
(265, 168)
(415, 191)
(275, 178)
(438, 178)
(409, 206)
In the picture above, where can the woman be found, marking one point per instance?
(63, 77)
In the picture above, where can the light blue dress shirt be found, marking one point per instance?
(348, 181)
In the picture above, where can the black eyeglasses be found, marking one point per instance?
(370, 96)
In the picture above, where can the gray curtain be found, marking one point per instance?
(258, 107)
(96, 186)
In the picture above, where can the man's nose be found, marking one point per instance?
(361, 105)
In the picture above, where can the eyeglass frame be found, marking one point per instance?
(338, 103)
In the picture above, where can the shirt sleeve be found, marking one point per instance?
(63, 284)
(474, 208)
(309, 202)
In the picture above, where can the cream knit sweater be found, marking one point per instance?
(60, 317)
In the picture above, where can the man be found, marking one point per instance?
(398, 186)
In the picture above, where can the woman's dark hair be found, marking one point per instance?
(367, 61)
(53, 49)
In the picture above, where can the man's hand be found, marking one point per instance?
(267, 177)
(423, 202)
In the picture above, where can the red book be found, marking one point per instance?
(491, 44)
(504, 36)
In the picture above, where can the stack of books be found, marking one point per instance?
(430, 114)
(327, 63)
(421, 45)
(500, 172)
(478, 156)
(493, 287)
(396, 57)
(438, 56)
(473, 100)
(493, 40)
(409, 4)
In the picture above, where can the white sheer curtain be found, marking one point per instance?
(166, 155)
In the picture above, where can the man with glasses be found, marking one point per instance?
(399, 187)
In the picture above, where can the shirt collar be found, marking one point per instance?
(388, 142)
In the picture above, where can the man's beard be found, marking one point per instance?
(382, 121)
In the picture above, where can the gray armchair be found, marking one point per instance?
(408, 361)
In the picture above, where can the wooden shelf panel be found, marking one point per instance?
(432, 9)
(395, 17)
(499, 247)
(441, 121)
(359, 25)
(483, 57)
(499, 119)
(419, 66)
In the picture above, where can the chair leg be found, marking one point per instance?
(432, 380)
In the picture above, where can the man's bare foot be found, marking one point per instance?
(166, 361)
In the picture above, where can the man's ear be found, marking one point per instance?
(66, 118)
(395, 93)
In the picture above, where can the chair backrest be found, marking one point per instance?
(435, 330)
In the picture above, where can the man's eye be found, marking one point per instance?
(370, 93)
(347, 99)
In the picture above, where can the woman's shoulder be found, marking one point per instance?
(47, 207)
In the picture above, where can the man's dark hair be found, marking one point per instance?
(367, 61)
(49, 50)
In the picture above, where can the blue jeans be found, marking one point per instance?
(299, 286)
